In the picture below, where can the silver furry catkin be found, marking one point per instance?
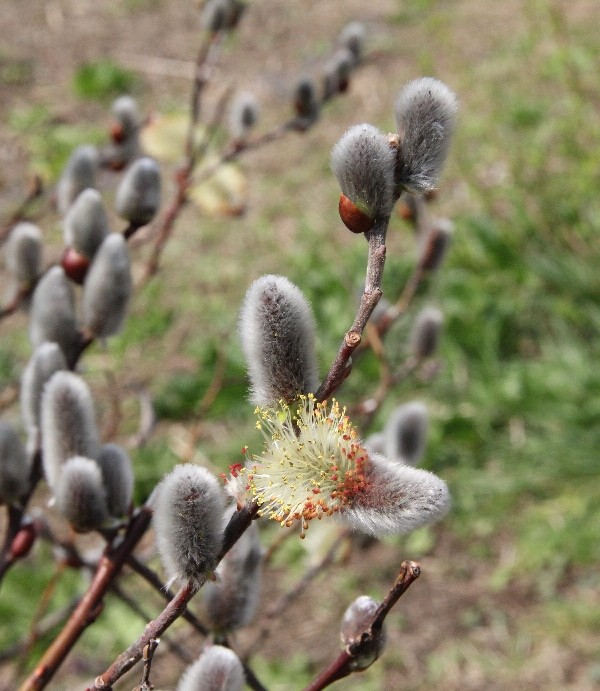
(138, 196)
(117, 478)
(79, 173)
(231, 600)
(68, 423)
(425, 333)
(217, 669)
(425, 116)
(23, 253)
(356, 621)
(124, 131)
(243, 115)
(277, 332)
(86, 223)
(188, 521)
(352, 37)
(52, 315)
(47, 359)
(336, 73)
(363, 163)
(80, 495)
(306, 103)
(405, 433)
(15, 465)
(107, 288)
(396, 499)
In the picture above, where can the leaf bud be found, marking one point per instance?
(189, 505)
(217, 669)
(356, 632)
(138, 196)
(107, 288)
(14, 465)
(425, 117)
(86, 223)
(68, 423)
(117, 478)
(78, 174)
(405, 433)
(80, 495)
(24, 253)
(363, 163)
(277, 332)
(52, 315)
(425, 334)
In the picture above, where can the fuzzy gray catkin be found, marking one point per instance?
(107, 288)
(336, 73)
(363, 163)
(52, 314)
(79, 173)
(356, 621)
(23, 253)
(68, 423)
(80, 495)
(425, 116)
(277, 332)
(397, 499)
(243, 115)
(217, 669)
(306, 102)
(352, 37)
(231, 600)
(425, 333)
(14, 465)
(86, 223)
(117, 478)
(405, 433)
(188, 521)
(47, 359)
(138, 196)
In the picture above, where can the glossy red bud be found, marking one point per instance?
(354, 219)
(75, 265)
(23, 541)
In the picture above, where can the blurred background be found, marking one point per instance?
(510, 592)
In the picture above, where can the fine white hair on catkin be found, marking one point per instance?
(188, 521)
(217, 669)
(397, 499)
(277, 332)
(425, 116)
(80, 495)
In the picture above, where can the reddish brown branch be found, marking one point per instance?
(90, 605)
(372, 293)
(344, 665)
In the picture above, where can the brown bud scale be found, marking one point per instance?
(75, 265)
(354, 219)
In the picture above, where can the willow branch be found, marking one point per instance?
(90, 605)
(372, 293)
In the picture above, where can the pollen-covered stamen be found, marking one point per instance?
(312, 464)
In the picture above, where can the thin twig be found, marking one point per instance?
(339, 370)
(90, 605)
